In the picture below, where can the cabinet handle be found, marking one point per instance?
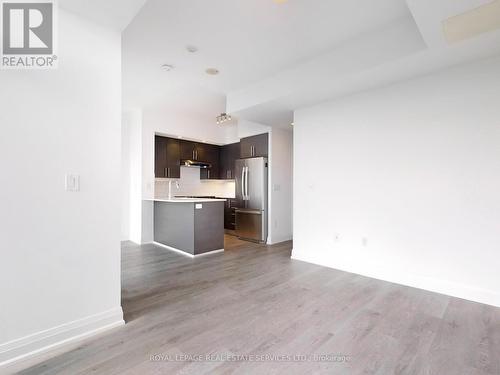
(192, 154)
(166, 172)
(196, 154)
(208, 174)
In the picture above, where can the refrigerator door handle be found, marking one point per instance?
(246, 184)
(243, 182)
(245, 211)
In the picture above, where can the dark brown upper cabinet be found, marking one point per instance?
(171, 152)
(167, 157)
(228, 156)
(210, 154)
(160, 156)
(202, 151)
(256, 146)
(194, 151)
(188, 150)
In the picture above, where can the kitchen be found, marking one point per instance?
(205, 191)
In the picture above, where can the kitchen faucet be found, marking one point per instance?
(170, 187)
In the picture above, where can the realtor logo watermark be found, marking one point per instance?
(28, 34)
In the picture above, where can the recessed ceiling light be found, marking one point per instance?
(191, 49)
(167, 67)
(480, 20)
(292, 124)
(212, 71)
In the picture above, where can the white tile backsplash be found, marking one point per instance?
(190, 184)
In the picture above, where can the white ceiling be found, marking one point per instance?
(247, 40)
(116, 14)
(274, 58)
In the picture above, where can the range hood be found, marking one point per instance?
(196, 164)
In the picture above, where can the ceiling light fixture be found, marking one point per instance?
(212, 71)
(222, 118)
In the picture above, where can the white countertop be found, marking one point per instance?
(186, 200)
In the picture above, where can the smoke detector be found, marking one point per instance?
(167, 67)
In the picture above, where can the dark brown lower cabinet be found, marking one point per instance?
(230, 215)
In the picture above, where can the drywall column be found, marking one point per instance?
(132, 169)
(60, 252)
(280, 185)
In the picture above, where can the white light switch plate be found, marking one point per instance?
(198, 206)
(72, 182)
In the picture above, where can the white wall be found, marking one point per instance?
(280, 186)
(60, 252)
(132, 175)
(249, 128)
(126, 175)
(403, 183)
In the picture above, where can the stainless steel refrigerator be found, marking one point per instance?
(251, 196)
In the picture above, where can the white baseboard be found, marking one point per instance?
(183, 252)
(445, 287)
(42, 341)
(277, 240)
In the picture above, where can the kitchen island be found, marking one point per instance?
(192, 226)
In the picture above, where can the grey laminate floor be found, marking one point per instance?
(253, 299)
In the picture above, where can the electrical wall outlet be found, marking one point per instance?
(72, 182)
